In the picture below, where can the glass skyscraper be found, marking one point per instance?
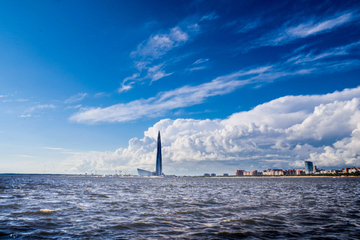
(158, 171)
(308, 167)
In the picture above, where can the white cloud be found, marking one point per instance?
(197, 65)
(247, 26)
(55, 149)
(195, 68)
(41, 107)
(157, 106)
(306, 29)
(201, 60)
(350, 49)
(73, 107)
(25, 116)
(345, 152)
(16, 100)
(25, 156)
(76, 98)
(101, 94)
(210, 16)
(158, 45)
(3, 96)
(191, 95)
(281, 133)
(125, 88)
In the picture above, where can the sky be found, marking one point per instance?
(86, 85)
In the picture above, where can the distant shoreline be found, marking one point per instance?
(286, 176)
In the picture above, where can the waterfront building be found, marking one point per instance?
(206, 175)
(290, 172)
(213, 175)
(273, 172)
(239, 172)
(225, 174)
(308, 167)
(158, 170)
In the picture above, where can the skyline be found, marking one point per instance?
(86, 86)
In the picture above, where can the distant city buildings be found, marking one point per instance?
(309, 169)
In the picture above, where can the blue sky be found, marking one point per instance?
(86, 85)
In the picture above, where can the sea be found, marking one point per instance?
(79, 207)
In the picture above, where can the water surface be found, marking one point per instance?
(63, 207)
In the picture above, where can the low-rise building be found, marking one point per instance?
(239, 172)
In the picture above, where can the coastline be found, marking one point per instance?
(279, 177)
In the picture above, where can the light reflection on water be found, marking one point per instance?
(54, 207)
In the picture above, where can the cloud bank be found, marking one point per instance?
(281, 133)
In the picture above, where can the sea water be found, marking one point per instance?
(73, 207)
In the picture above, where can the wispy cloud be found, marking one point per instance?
(158, 45)
(197, 65)
(190, 69)
(3, 96)
(241, 26)
(101, 94)
(157, 106)
(73, 107)
(76, 98)
(25, 116)
(305, 29)
(16, 100)
(353, 48)
(201, 60)
(25, 156)
(55, 149)
(41, 107)
(191, 95)
(210, 16)
(156, 72)
(148, 55)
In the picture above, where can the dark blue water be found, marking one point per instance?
(53, 207)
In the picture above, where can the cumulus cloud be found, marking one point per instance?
(281, 133)
(345, 152)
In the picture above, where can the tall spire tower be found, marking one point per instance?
(158, 157)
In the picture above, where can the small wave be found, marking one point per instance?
(120, 226)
